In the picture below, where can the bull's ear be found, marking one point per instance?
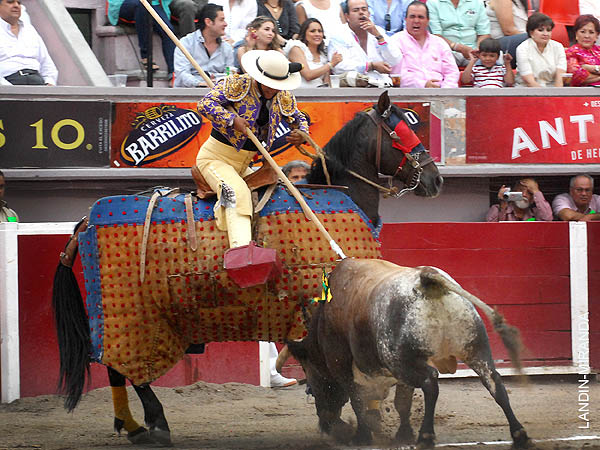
(297, 349)
(383, 103)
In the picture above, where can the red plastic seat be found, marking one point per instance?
(559, 34)
(561, 11)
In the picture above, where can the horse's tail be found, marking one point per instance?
(436, 279)
(72, 328)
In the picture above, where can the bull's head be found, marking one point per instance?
(329, 395)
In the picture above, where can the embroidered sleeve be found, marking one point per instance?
(289, 109)
(574, 67)
(212, 106)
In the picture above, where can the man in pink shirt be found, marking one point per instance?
(580, 204)
(427, 60)
(533, 205)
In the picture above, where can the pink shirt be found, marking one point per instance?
(541, 211)
(578, 56)
(433, 61)
(563, 201)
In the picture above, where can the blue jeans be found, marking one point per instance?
(509, 44)
(133, 10)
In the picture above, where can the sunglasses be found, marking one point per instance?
(388, 22)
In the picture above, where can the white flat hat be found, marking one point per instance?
(272, 68)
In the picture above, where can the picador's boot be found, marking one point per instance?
(250, 265)
(246, 263)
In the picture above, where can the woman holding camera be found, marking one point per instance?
(524, 203)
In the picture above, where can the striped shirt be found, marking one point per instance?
(488, 78)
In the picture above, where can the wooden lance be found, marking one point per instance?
(294, 191)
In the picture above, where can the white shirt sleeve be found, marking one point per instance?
(47, 68)
(523, 61)
(389, 52)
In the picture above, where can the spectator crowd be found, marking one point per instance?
(406, 43)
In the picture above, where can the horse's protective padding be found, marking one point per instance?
(143, 328)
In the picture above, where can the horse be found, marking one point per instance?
(389, 325)
(132, 329)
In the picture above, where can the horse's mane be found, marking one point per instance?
(342, 148)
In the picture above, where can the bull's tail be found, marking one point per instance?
(438, 280)
(72, 327)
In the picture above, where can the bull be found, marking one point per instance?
(389, 325)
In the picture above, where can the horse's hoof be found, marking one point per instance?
(162, 437)
(521, 440)
(426, 441)
(405, 435)
(373, 420)
(140, 436)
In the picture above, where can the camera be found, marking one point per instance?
(512, 196)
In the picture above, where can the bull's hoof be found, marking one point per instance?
(362, 437)
(141, 436)
(405, 435)
(162, 437)
(373, 420)
(341, 432)
(521, 440)
(425, 441)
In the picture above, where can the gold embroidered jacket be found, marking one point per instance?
(241, 93)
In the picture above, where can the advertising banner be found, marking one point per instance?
(47, 134)
(529, 130)
(170, 134)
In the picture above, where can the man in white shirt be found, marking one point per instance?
(207, 47)
(24, 58)
(363, 45)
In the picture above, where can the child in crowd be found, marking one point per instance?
(483, 68)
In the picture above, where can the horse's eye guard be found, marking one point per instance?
(403, 137)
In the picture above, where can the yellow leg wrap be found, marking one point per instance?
(373, 404)
(121, 406)
(239, 228)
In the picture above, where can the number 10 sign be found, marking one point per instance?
(49, 134)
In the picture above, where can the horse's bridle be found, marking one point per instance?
(417, 158)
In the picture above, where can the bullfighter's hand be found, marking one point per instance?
(240, 124)
(295, 138)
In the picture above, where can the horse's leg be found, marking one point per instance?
(403, 404)
(136, 433)
(484, 367)
(154, 415)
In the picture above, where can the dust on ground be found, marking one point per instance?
(246, 417)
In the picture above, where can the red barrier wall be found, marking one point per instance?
(520, 268)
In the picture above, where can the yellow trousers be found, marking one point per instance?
(221, 163)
